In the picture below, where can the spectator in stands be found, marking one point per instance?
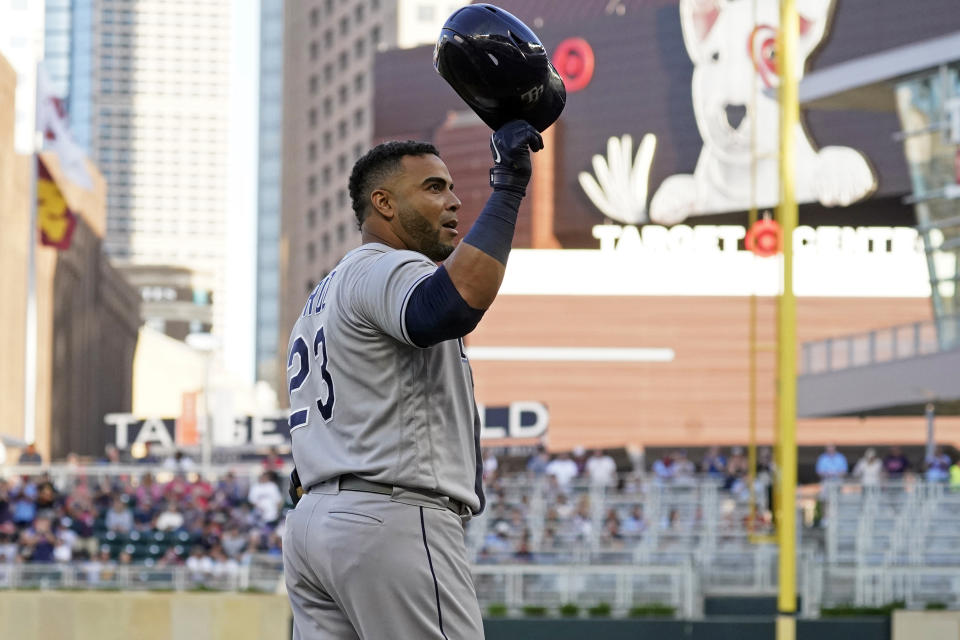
(119, 517)
(179, 462)
(563, 507)
(955, 476)
(38, 541)
(143, 514)
(490, 464)
(538, 462)
(66, 539)
(199, 564)
(579, 458)
(869, 468)
(6, 508)
(497, 541)
(895, 464)
(714, 464)
(170, 519)
(602, 469)
(663, 469)
(266, 498)
(30, 455)
(634, 524)
(233, 541)
(111, 455)
(8, 542)
(82, 519)
(563, 468)
(273, 461)
(684, 471)
(937, 466)
(831, 465)
(24, 508)
(738, 468)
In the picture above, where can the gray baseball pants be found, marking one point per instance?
(367, 566)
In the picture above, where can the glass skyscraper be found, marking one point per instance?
(270, 137)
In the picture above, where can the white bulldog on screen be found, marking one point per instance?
(734, 65)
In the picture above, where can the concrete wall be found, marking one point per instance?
(929, 625)
(145, 616)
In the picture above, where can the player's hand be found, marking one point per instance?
(511, 145)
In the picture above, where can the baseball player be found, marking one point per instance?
(383, 420)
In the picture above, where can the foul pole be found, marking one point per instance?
(786, 325)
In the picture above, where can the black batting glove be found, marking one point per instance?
(511, 145)
(296, 489)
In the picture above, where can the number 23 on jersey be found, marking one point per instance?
(300, 351)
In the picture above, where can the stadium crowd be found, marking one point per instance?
(169, 515)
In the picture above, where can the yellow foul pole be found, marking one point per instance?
(786, 321)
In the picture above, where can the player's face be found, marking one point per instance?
(427, 207)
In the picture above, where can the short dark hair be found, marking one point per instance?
(377, 164)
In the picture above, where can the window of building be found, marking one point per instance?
(358, 13)
(358, 118)
(342, 129)
(312, 152)
(344, 25)
(343, 94)
(312, 117)
(359, 47)
(314, 84)
(357, 150)
(375, 35)
(327, 72)
(328, 6)
(326, 175)
(325, 209)
(358, 81)
(314, 17)
(341, 199)
(311, 218)
(312, 185)
(327, 140)
(325, 242)
(311, 252)
(328, 38)
(342, 162)
(310, 286)
(341, 233)
(327, 106)
(314, 50)
(342, 60)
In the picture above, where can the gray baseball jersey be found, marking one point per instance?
(365, 400)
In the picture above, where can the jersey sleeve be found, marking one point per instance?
(382, 291)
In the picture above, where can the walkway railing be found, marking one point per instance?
(880, 345)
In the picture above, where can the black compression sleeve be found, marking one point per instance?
(492, 233)
(436, 311)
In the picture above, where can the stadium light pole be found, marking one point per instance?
(786, 325)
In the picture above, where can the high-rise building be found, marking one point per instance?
(329, 46)
(270, 136)
(147, 86)
(21, 43)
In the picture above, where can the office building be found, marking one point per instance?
(329, 49)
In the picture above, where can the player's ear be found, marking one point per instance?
(382, 202)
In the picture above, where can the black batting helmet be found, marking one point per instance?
(499, 67)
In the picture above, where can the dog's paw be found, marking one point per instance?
(842, 176)
(675, 200)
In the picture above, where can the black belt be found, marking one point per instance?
(350, 482)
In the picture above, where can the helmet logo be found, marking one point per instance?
(530, 97)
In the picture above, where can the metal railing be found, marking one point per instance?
(880, 345)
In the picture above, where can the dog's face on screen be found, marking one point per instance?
(736, 73)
